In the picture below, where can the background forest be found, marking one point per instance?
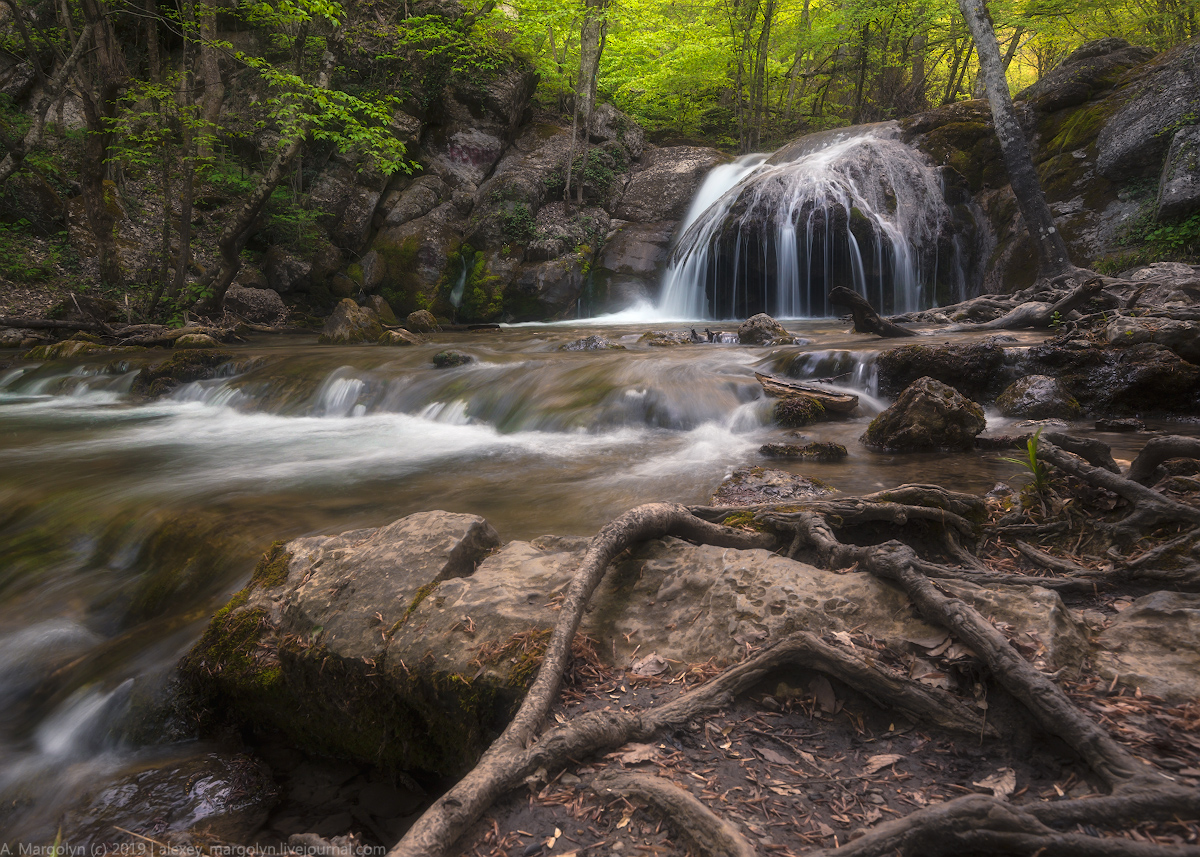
(205, 122)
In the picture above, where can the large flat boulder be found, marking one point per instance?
(410, 644)
(1155, 645)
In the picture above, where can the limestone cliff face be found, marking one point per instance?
(1110, 131)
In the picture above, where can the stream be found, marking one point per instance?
(125, 523)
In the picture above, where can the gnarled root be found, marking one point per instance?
(707, 833)
(1044, 699)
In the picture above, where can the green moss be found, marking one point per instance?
(181, 367)
(272, 569)
(421, 594)
(745, 521)
(798, 411)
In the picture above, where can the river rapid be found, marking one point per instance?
(125, 523)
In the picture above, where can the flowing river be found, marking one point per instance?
(125, 523)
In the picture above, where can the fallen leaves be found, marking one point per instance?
(875, 764)
(1001, 784)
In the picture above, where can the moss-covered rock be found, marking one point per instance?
(62, 350)
(182, 367)
(797, 411)
(450, 359)
(196, 340)
(929, 415)
(749, 486)
(815, 451)
(1108, 379)
(970, 369)
(308, 648)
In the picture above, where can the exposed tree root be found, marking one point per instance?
(1150, 508)
(980, 824)
(974, 824)
(1159, 449)
(1044, 699)
(706, 833)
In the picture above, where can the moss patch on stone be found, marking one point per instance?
(182, 367)
(272, 568)
(797, 411)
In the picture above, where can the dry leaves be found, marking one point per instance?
(875, 764)
(1001, 784)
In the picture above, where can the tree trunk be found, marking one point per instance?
(864, 52)
(233, 238)
(214, 89)
(759, 92)
(100, 106)
(591, 45)
(1053, 258)
(16, 154)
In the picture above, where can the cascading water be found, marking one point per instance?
(855, 207)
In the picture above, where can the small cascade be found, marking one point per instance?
(855, 207)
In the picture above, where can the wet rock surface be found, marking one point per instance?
(928, 415)
(761, 329)
(1037, 397)
(747, 486)
(227, 797)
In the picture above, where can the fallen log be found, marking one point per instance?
(866, 319)
(55, 324)
(782, 388)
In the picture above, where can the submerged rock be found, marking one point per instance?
(761, 329)
(225, 797)
(664, 338)
(809, 452)
(928, 415)
(408, 645)
(350, 324)
(182, 367)
(595, 342)
(750, 485)
(1037, 397)
(450, 359)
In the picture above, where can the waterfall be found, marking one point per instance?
(853, 207)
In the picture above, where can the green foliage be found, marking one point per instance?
(519, 224)
(27, 258)
(1040, 481)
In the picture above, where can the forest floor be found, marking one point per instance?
(803, 762)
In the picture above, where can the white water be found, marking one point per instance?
(759, 231)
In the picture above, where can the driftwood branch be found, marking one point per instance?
(866, 319)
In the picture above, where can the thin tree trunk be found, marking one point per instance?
(1053, 258)
(214, 88)
(862, 73)
(153, 56)
(99, 108)
(795, 75)
(759, 91)
(592, 34)
(187, 192)
(233, 238)
(920, 40)
(16, 155)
